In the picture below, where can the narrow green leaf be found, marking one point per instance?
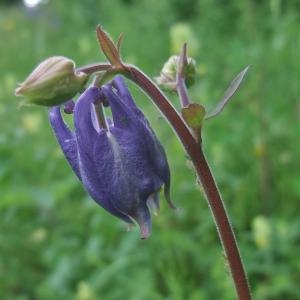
(233, 87)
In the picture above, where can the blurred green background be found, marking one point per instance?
(56, 243)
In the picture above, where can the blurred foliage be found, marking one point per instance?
(56, 243)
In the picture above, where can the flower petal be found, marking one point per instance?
(96, 156)
(159, 162)
(122, 114)
(65, 138)
(125, 179)
(153, 203)
(86, 133)
(122, 91)
(143, 218)
(128, 117)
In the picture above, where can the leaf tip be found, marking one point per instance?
(108, 47)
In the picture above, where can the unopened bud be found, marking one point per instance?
(167, 78)
(54, 81)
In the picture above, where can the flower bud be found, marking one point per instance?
(52, 82)
(167, 78)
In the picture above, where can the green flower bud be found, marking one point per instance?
(167, 78)
(52, 82)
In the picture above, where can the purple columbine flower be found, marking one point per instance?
(121, 165)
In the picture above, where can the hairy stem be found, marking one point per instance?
(194, 149)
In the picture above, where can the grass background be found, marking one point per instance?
(56, 243)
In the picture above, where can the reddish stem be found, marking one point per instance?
(92, 68)
(180, 78)
(194, 149)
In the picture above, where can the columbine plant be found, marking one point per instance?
(120, 162)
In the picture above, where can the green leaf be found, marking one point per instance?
(193, 114)
(233, 87)
(108, 47)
